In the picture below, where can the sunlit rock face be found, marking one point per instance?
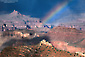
(20, 37)
(40, 50)
(64, 38)
(16, 37)
(21, 33)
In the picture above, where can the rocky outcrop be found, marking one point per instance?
(64, 38)
(43, 49)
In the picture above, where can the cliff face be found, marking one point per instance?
(70, 35)
(39, 50)
(63, 37)
(29, 34)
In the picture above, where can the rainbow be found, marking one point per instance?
(56, 10)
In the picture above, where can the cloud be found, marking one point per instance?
(69, 17)
(72, 20)
(9, 1)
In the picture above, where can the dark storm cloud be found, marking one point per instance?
(35, 8)
(77, 6)
(39, 8)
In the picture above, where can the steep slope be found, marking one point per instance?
(43, 49)
(63, 37)
(70, 35)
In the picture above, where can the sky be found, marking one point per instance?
(41, 8)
